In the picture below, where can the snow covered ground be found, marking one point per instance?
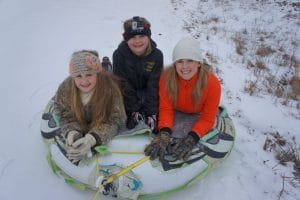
(38, 37)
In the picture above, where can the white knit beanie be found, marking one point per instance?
(187, 48)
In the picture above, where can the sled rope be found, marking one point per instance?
(127, 152)
(103, 151)
(95, 197)
(113, 177)
(97, 163)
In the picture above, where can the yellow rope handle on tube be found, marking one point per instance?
(127, 152)
(113, 177)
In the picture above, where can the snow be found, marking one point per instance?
(38, 37)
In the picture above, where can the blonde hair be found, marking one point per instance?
(172, 82)
(105, 94)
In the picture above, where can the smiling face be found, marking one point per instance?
(138, 44)
(86, 82)
(186, 68)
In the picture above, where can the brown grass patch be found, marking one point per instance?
(279, 92)
(264, 51)
(285, 151)
(295, 84)
(240, 45)
(251, 88)
(259, 64)
(211, 58)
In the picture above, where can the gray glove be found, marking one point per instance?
(72, 136)
(151, 122)
(81, 147)
(184, 147)
(158, 146)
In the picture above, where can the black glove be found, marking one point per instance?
(133, 119)
(184, 147)
(158, 146)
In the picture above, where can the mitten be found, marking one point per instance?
(81, 147)
(72, 136)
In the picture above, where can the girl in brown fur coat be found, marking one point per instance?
(89, 105)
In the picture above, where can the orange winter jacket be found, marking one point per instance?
(207, 107)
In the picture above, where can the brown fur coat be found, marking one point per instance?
(106, 131)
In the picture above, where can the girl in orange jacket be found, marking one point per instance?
(187, 86)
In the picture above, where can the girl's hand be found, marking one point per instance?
(72, 137)
(81, 147)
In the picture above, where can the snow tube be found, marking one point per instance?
(150, 180)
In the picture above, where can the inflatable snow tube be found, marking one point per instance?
(150, 180)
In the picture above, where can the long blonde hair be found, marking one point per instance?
(105, 94)
(172, 82)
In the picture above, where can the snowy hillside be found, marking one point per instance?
(253, 46)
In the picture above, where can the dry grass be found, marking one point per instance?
(240, 45)
(285, 87)
(251, 88)
(211, 58)
(270, 53)
(254, 87)
(285, 151)
(294, 62)
(295, 85)
(264, 51)
(279, 92)
(260, 65)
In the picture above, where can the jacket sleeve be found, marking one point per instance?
(128, 91)
(166, 108)
(62, 108)
(151, 103)
(104, 132)
(210, 109)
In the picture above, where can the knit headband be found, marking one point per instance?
(83, 63)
